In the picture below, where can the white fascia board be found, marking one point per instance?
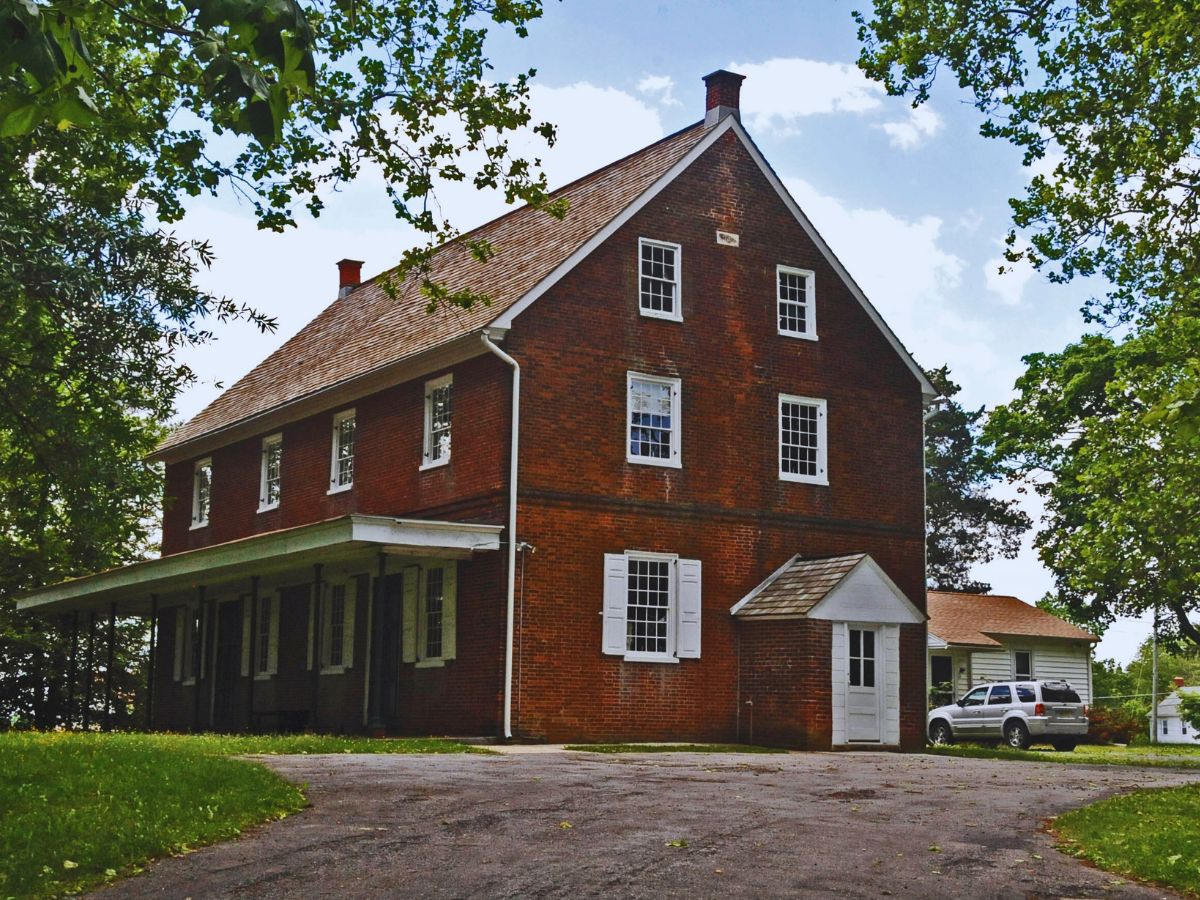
(505, 319)
(770, 579)
(826, 607)
(267, 552)
(927, 389)
(933, 642)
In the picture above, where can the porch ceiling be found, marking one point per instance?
(334, 540)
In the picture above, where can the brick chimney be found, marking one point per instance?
(1178, 679)
(723, 96)
(349, 275)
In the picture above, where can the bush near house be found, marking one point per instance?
(1113, 725)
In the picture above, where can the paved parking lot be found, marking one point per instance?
(654, 825)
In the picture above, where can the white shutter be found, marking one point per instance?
(245, 635)
(180, 614)
(687, 635)
(350, 608)
(449, 610)
(408, 626)
(616, 602)
(273, 638)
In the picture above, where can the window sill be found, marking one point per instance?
(437, 463)
(340, 489)
(196, 526)
(430, 663)
(650, 658)
(651, 314)
(650, 461)
(188, 682)
(264, 676)
(799, 479)
(333, 670)
(263, 509)
(804, 336)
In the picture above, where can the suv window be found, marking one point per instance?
(1026, 693)
(975, 698)
(1059, 694)
(1000, 694)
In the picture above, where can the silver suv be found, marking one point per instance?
(1016, 712)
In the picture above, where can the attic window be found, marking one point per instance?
(438, 403)
(271, 478)
(797, 308)
(201, 492)
(341, 472)
(659, 270)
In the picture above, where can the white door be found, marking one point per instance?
(862, 685)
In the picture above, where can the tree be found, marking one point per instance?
(1121, 487)
(111, 115)
(965, 525)
(1106, 94)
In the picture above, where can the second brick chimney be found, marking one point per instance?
(349, 275)
(723, 96)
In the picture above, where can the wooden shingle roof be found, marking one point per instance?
(367, 330)
(978, 619)
(798, 586)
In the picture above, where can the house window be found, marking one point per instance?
(271, 479)
(337, 626)
(1023, 665)
(652, 420)
(797, 310)
(438, 403)
(341, 472)
(201, 492)
(802, 446)
(651, 606)
(430, 618)
(862, 657)
(1165, 726)
(659, 279)
(189, 643)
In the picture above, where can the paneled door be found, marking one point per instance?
(862, 685)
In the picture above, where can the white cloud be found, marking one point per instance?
(922, 123)
(1007, 280)
(779, 92)
(661, 87)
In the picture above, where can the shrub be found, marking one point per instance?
(1113, 725)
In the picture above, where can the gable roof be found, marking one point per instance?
(796, 587)
(366, 331)
(980, 619)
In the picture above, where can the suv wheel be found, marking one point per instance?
(1016, 735)
(940, 734)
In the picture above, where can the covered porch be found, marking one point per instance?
(343, 625)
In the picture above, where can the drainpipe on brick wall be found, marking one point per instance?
(512, 530)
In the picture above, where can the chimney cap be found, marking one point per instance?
(349, 275)
(722, 96)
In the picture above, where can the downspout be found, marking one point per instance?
(512, 529)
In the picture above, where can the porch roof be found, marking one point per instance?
(333, 540)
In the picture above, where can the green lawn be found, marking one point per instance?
(673, 748)
(1152, 834)
(1160, 756)
(79, 809)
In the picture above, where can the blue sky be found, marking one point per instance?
(914, 202)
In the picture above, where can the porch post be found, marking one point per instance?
(72, 671)
(152, 662)
(112, 640)
(91, 670)
(253, 652)
(316, 648)
(197, 657)
(375, 698)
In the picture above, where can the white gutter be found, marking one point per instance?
(512, 530)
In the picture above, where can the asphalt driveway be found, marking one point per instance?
(655, 825)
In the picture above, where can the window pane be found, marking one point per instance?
(203, 492)
(799, 450)
(658, 279)
(434, 594)
(649, 601)
(273, 469)
(855, 672)
(868, 666)
(439, 422)
(345, 436)
(869, 644)
(793, 303)
(1000, 694)
(855, 642)
(651, 417)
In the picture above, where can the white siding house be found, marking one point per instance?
(1172, 729)
(977, 638)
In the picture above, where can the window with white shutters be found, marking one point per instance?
(796, 303)
(652, 420)
(802, 439)
(429, 614)
(651, 607)
(338, 605)
(658, 281)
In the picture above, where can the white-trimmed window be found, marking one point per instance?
(341, 467)
(658, 281)
(201, 492)
(651, 606)
(1023, 665)
(802, 444)
(270, 487)
(430, 613)
(189, 643)
(337, 608)
(262, 634)
(797, 310)
(438, 408)
(652, 420)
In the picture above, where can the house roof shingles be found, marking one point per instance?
(799, 586)
(973, 619)
(366, 330)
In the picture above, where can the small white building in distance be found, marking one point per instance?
(1172, 729)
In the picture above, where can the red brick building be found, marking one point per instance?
(667, 485)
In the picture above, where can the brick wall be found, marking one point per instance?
(784, 684)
